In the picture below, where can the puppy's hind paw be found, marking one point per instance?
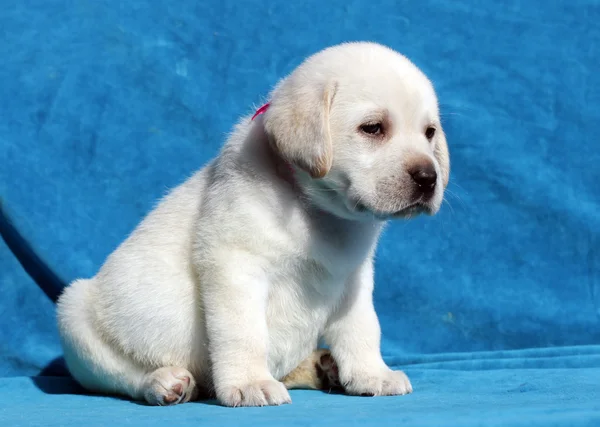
(327, 370)
(169, 386)
(318, 372)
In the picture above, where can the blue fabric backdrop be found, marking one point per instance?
(492, 307)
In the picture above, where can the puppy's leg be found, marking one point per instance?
(235, 302)
(354, 337)
(99, 368)
(318, 372)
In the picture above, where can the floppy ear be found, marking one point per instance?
(297, 123)
(443, 157)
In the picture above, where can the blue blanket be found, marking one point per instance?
(492, 307)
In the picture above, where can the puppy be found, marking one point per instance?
(227, 286)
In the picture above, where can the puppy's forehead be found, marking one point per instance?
(390, 79)
(406, 95)
(372, 74)
(404, 82)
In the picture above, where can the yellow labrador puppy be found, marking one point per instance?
(226, 288)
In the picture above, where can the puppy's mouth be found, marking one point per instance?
(355, 208)
(406, 212)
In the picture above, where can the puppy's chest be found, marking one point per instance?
(299, 306)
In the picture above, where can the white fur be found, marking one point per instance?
(238, 272)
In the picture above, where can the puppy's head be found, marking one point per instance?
(361, 124)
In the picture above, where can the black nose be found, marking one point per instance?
(424, 176)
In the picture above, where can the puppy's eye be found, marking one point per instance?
(371, 128)
(430, 132)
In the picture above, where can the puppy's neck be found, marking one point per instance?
(257, 150)
(284, 169)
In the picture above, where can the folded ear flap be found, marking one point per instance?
(297, 122)
(442, 156)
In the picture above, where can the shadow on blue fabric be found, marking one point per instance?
(492, 307)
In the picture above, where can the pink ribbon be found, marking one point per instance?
(261, 110)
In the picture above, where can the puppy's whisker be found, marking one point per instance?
(357, 202)
(457, 197)
(327, 189)
(452, 114)
(455, 184)
(444, 200)
(334, 186)
(455, 108)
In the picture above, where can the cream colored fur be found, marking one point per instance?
(232, 280)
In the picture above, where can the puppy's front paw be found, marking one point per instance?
(257, 393)
(384, 383)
